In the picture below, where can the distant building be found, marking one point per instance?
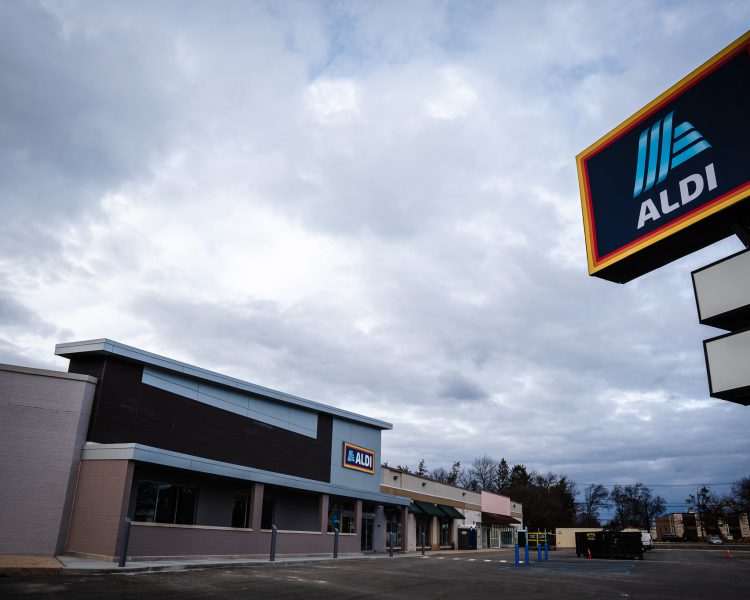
(691, 527)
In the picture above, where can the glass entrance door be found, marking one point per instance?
(368, 526)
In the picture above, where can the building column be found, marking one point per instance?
(256, 505)
(323, 515)
(404, 528)
(379, 531)
(358, 517)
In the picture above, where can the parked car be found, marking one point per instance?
(714, 540)
(671, 538)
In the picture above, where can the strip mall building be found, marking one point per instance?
(203, 464)
(437, 511)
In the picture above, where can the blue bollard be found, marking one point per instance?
(518, 556)
(546, 551)
(538, 552)
(527, 553)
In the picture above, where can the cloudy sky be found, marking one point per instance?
(369, 204)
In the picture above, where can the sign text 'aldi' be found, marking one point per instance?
(359, 459)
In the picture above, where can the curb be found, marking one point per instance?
(12, 571)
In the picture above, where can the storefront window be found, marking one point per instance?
(393, 525)
(240, 511)
(423, 531)
(165, 503)
(341, 514)
(267, 513)
(445, 532)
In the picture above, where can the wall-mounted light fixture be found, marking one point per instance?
(424, 483)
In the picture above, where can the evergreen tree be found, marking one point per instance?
(502, 479)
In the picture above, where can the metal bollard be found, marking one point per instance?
(390, 544)
(518, 555)
(538, 552)
(335, 542)
(546, 551)
(125, 542)
(273, 542)
(527, 553)
(424, 543)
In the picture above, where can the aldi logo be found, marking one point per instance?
(673, 178)
(678, 144)
(358, 458)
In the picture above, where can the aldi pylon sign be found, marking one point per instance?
(674, 177)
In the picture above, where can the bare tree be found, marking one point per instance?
(483, 470)
(440, 474)
(595, 498)
(636, 505)
(713, 508)
(741, 494)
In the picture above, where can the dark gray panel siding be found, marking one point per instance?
(126, 410)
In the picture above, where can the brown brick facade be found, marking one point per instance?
(101, 503)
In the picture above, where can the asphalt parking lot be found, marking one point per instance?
(664, 574)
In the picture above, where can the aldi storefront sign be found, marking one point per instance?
(359, 459)
(674, 177)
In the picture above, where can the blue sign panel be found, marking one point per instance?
(359, 459)
(673, 178)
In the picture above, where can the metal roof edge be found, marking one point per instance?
(47, 373)
(110, 347)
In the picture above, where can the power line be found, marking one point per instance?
(659, 484)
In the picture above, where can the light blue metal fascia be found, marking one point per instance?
(110, 347)
(168, 458)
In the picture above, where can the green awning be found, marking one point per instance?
(431, 510)
(450, 512)
(415, 510)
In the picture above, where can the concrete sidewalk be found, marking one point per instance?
(15, 564)
(75, 564)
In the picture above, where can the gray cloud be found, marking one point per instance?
(454, 386)
(371, 205)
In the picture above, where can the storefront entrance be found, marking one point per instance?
(368, 527)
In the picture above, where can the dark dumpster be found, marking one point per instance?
(609, 544)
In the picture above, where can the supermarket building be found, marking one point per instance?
(203, 464)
